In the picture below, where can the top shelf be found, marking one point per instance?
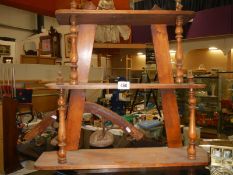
(118, 17)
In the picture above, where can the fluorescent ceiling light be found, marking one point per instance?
(172, 51)
(139, 53)
(213, 48)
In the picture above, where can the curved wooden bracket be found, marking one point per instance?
(113, 117)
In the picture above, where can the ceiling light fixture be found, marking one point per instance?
(172, 51)
(213, 48)
(139, 53)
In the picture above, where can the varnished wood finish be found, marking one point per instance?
(86, 35)
(122, 158)
(73, 53)
(169, 103)
(192, 126)
(109, 115)
(62, 129)
(73, 4)
(10, 135)
(115, 17)
(179, 48)
(31, 59)
(175, 155)
(120, 46)
(86, 38)
(132, 86)
(74, 119)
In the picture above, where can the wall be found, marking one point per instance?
(139, 61)
(210, 59)
(12, 49)
(16, 19)
(19, 24)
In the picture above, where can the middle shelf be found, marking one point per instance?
(132, 86)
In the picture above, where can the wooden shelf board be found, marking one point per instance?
(132, 86)
(119, 46)
(116, 17)
(122, 158)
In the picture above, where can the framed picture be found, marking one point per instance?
(45, 45)
(67, 41)
(5, 49)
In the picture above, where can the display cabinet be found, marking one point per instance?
(208, 101)
(225, 102)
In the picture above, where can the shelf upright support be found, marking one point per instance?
(62, 128)
(83, 48)
(73, 53)
(179, 48)
(191, 150)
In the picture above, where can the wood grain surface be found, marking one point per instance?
(165, 75)
(115, 17)
(132, 86)
(122, 158)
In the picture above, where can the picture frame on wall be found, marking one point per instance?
(5, 49)
(67, 41)
(45, 45)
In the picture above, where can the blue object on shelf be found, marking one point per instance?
(148, 124)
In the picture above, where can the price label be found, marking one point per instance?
(123, 85)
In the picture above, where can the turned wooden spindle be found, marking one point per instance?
(179, 48)
(60, 79)
(192, 123)
(73, 4)
(62, 129)
(73, 52)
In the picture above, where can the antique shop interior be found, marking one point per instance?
(116, 87)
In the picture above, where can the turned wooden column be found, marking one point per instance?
(73, 53)
(62, 128)
(179, 48)
(192, 123)
(83, 49)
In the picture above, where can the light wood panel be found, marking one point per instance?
(165, 75)
(115, 17)
(119, 46)
(29, 59)
(122, 158)
(132, 86)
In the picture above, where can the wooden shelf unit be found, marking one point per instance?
(68, 155)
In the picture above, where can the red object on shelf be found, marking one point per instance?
(204, 120)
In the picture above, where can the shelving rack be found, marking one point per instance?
(83, 24)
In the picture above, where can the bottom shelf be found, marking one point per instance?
(122, 158)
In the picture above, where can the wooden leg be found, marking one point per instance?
(74, 119)
(61, 129)
(86, 37)
(86, 40)
(165, 75)
(192, 126)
